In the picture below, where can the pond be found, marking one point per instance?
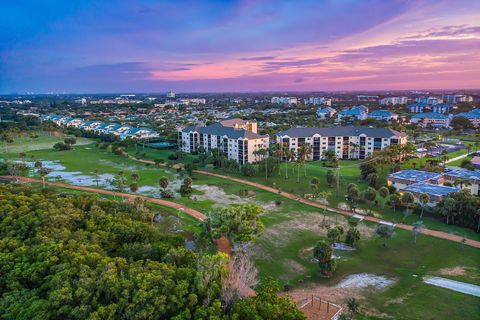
(161, 144)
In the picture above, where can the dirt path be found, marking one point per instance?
(192, 212)
(433, 233)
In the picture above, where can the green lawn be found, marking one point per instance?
(45, 140)
(285, 253)
(292, 229)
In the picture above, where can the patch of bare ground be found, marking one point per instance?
(455, 271)
(310, 221)
(334, 295)
(345, 206)
(222, 199)
(398, 300)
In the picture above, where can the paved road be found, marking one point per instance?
(192, 212)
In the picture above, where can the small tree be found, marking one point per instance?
(417, 228)
(384, 231)
(369, 195)
(335, 233)
(331, 178)
(352, 237)
(323, 252)
(395, 201)
(372, 180)
(424, 199)
(134, 187)
(164, 182)
(186, 188)
(408, 201)
(43, 172)
(384, 193)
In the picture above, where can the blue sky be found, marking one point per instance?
(188, 46)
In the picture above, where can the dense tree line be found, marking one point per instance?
(78, 257)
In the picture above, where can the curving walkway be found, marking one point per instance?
(191, 212)
(291, 196)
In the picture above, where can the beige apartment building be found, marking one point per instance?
(236, 138)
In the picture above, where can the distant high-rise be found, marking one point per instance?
(170, 94)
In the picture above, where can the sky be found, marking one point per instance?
(238, 46)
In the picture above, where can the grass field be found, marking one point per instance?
(45, 140)
(292, 229)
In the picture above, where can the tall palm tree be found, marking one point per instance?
(424, 199)
(287, 155)
(305, 152)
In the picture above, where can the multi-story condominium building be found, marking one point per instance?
(431, 119)
(236, 138)
(456, 98)
(418, 107)
(392, 101)
(170, 94)
(326, 113)
(473, 116)
(284, 100)
(382, 115)
(429, 100)
(347, 142)
(318, 101)
(442, 108)
(354, 113)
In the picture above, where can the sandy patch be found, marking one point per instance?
(310, 221)
(363, 281)
(222, 199)
(455, 271)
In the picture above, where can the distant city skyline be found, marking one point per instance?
(238, 46)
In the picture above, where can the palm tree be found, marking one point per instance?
(462, 183)
(417, 228)
(384, 193)
(305, 153)
(134, 177)
(96, 172)
(448, 208)
(424, 199)
(287, 154)
(478, 219)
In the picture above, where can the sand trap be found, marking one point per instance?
(362, 281)
(458, 286)
(455, 271)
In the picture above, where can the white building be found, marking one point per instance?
(354, 113)
(429, 100)
(171, 94)
(318, 101)
(392, 101)
(284, 100)
(456, 98)
(236, 138)
(194, 101)
(326, 113)
(347, 142)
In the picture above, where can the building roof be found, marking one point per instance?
(476, 161)
(352, 112)
(342, 131)
(218, 129)
(473, 114)
(381, 113)
(234, 121)
(430, 189)
(326, 110)
(430, 115)
(415, 175)
(461, 173)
